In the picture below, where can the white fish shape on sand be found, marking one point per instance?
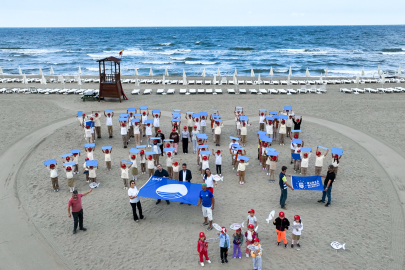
(337, 245)
(218, 178)
(271, 215)
(236, 226)
(211, 240)
(253, 247)
(257, 228)
(217, 227)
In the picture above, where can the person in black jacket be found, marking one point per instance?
(185, 175)
(162, 136)
(297, 123)
(282, 225)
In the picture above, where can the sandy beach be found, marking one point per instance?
(367, 211)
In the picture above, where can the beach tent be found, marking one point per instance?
(252, 73)
(52, 72)
(150, 72)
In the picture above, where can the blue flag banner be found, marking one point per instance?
(297, 141)
(296, 156)
(234, 138)
(149, 122)
(66, 155)
(239, 107)
(143, 107)
(135, 120)
(307, 183)
(306, 149)
(134, 150)
(49, 162)
(276, 116)
(205, 153)
(196, 115)
(124, 115)
(261, 132)
(121, 119)
(177, 110)
(90, 123)
(154, 111)
(203, 146)
(131, 109)
(190, 113)
(80, 113)
(262, 110)
(243, 158)
(283, 116)
(337, 151)
(108, 111)
(171, 190)
(137, 114)
(170, 149)
(288, 108)
(204, 114)
(218, 120)
(141, 146)
(296, 130)
(126, 161)
(168, 140)
(322, 147)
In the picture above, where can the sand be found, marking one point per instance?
(366, 211)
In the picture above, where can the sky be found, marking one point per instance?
(125, 13)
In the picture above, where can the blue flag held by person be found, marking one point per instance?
(307, 183)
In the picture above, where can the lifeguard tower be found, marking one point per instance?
(110, 78)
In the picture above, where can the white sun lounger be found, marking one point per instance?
(215, 82)
(41, 91)
(208, 91)
(201, 91)
(241, 81)
(175, 81)
(70, 91)
(160, 91)
(242, 91)
(283, 82)
(200, 82)
(3, 90)
(282, 91)
(61, 91)
(192, 91)
(253, 91)
(207, 82)
(266, 82)
(313, 89)
(401, 89)
(231, 82)
(292, 91)
(147, 92)
(346, 81)
(78, 91)
(191, 82)
(171, 91)
(275, 82)
(371, 90)
(346, 91)
(224, 81)
(389, 90)
(149, 81)
(272, 91)
(263, 91)
(294, 82)
(358, 90)
(135, 92)
(303, 90)
(183, 91)
(218, 91)
(126, 81)
(248, 82)
(381, 90)
(322, 89)
(231, 91)
(302, 82)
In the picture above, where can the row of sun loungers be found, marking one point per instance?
(46, 91)
(371, 90)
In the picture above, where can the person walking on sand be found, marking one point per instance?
(75, 203)
(134, 201)
(327, 185)
(207, 200)
(283, 186)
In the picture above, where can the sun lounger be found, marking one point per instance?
(215, 82)
(253, 91)
(78, 91)
(283, 82)
(266, 82)
(302, 82)
(218, 91)
(201, 91)
(171, 91)
(224, 81)
(135, 92)
(160, 91)
(207, 82)
(381, 90)
(192, 91)
(249, 82)
(312, 89)
(70, 91)
(231, 82)
(294, 82)
(175, 81)
(396, 90)
(208, 91)
(147, 92)
(276, 82)
(292, 91)
(61, 91)
(263, 91)
(371, 90)
(303, 90)
(183, 91)
(191, 82)
(358, 90)
(346, 91)
(231, 91)
(149, 81)
(322, 89)
(400, 89)
(402, 80)
(272, 91)
(241, 81)
(242, 91)
(199, 82)
(389, 90)
(282, 91)
(3, 90)
(126, 81)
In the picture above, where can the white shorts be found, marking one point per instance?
(207, 212)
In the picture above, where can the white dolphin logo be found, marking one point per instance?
(172, 191)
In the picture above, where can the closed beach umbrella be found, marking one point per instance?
(357, 79)
(399, 70)
(43, 80)
(203, 74)
(51, 72)
(150, 72)
(382, 79)
(79, 81)
(235, 80)
(166, 72)
(290, 72)
(184, 78)
(252, 73)
(320, 79)
(25, 81)
(258, 79)
(218, 73)
(80, 70)
(163, 80)
(19, 70)
(362, 72)
(288, 79)
(326, 72)
(1, 71)
(136, 71)
(236, 72)
(40, 72)
(379, 70)
(307, 73)
(215, 79)
(271, 72)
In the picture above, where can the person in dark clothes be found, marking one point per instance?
(160, 172)
(282, 225)
(185, 138)
(297, 123)
(75, 202)
(162, 136)
(327, 185)
(176, 138)
(283, 186)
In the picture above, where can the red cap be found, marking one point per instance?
(189, 115)
(296, 136)
(318, 153)
(130, 113)
(184, 127)
(148, 124)
(133, 156)
(238, 230)
(336, 156)
(305, 154)
(251, 226)
(224, 229)
(123, 124)
(196, 119)
(175, 163)
(89, 149)
(264, 144)
(244, 124)
(195, 126)
(144, 113)
(175, 123)
(159, 130)
(281, 214)
(155, 141)
(87, 126)
(86, 158)
(274, 158)
(91, 167)
(217, 122)
(108, 114)
(200, 140)
(156, 115)
(169, 153)
(297, 217)
(107, 151)
(123, 166)
(91, 118)
(251, 211)
(84, 114)
(299, 151)
(52, 166)
(256, 240)
(168, 145)
(204, 157)
(136, 123)
(270, 121)
(67, 158)
(202, 234)
(262, 113)
(150, 157)
(96, 114)
(219, 152)
(241, 161)
(283, 121)
(173, 129)
(142, 152)
(298, 120)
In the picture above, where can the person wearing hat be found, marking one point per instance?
(208, 179)
(202, 249)
(87, 134)
(169, 164)
(206, 198)
(232, 150)
(203, 125)
(148, 132)
(213, 121)
(107, 158)
(269, 128)
(197, 123)
(251, 218)
(319, 161)
(293, 146)
(217, 130)
(185, 138)
(283, 186)
(137, 132)
(335, 163)
(218, 161)
(282, 132)
(194, 133)
(160, 172)
(75, 204)
(143, 161)
(327, 185)
(92, 173)
(296, 231)
(109, 123)
(305, 162)
(224, 244)
(156, 121)
(54, 176)
(144, 117)
(297, 162)
(262, 119)
(205, 163)
(282, 225)
(237, 243)
(275, 129)
(134, 167)
(85, 170)
(174, 135)
(69, 178)
(134, 201)
(289, 124)
(242, 170)
(190, 122)
(297, 124)
(263, 154)
(81, 119)
(176, 167)
(250, 235)
(97, 124)
(124, 133)
(257, 255)
(90, 152)
(271, 164)
(156, 148)
(243, 132)
(162, 138)
(76, 161)
(125, 173)
(151, 165)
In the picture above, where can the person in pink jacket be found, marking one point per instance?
(202, 249)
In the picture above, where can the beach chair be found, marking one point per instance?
(266, 82)
(381, 90)
(242, 91)
(294, 82)
(199, 82)
(147, 92)
(71, 91)
(126, 81)
(263, 91)
(175, 82)
(160, 91)
(357, 90)
(183, 91)
(157, 81)
(218, 91)
(200, 91)
(191, 82)
(276, 82)
(135, 92)
(253, 91)
(224, 81)
(373, 81)
(346, 90)
(389, 90)
(302, 82)
(3, 90)
(207, 82)
(231, 82)
(282, 91)
(171, 91)
(322, 89)
(215, 82)
(231, 91)
(60, 91)
(291, 91)
(313, 89)
(272, 91)
(402, 80)
(283, 82)
(208, 91)
(249, 82)
(400, 89)
(192, 91)
(241, 81)
(303, 90)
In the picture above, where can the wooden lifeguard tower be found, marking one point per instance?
(110, 78)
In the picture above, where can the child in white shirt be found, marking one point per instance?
(69, 178)
(151, 166)
(124, 174)
(305, 163)
(107, 158)
(134, 168)
(297, 228)
(143, 161)
(251, 218)
(218, 161)
(203, 124)
(54, 176)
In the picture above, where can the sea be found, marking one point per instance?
(342, 50)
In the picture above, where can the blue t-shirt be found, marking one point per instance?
(282, 181)
(206, 198)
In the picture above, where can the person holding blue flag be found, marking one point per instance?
(208, 201)
(327, 185)
(283, 186)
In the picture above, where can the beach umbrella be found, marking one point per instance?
(252, 73)
(357, 80)
(236, 72)
(290, 72)
(40, 72)
(136, 71)
(215, 78)
(399, 70)
(150, 72)
(80, 70)
(307, 74)
(382, 81)
(218, 73)
(166, 73)
(184, 78)
(43, 80)
(51, 72)
(79, 82)
(1, 71)
(19, 70)
(235, 79)
(25, 81)
(258, 79)
(203, 74)
(163, 80)
(320, 79)
(326, 72)
(288, 79)
(379, 70)
(271, 73)
(362, 72)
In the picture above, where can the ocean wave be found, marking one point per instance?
(92, 69)
(199, 63)
(393, 50)
(170, 52)
(165, 44)
(280, 70)
(178, 58)
(197, 42)
(242, 49)
(30, 51)
(301, 51)
(156, 62)
(393, 53)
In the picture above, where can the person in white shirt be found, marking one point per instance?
(87, 134)
(156, 121)
(203, 124)
(148, 132)
(243, 132)
(232, 150)
(289, 124)
(69, 178)
(217, 130)
(197, 124)
(76, 161)
(143, 161)
(54, 176)
(107, 158)
(124, 133)
(90, 152)
(262, 118)
(134, 167)
(134, 201)
(93, 134)
(263, 155)
(97, 124)
(269, 128)
(304, 163)
(137, 133)
(251, 218)
(169, 164)
(282, 131)
(208, 179)
(272, 168)
(109, 123)
(319, 161)
(293, 146)
(218, 161)
(275, 129)
(81, 119)
(335, 163)
(130, 125)
(205, 164)
(144, 118)
(297, 228)
(92, 173)
(176, 167)
(151, 165)
(241, 170)
(190, 122)
(85, 171)
(125, 174)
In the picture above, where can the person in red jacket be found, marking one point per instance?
(282, 225)
(202, 249)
